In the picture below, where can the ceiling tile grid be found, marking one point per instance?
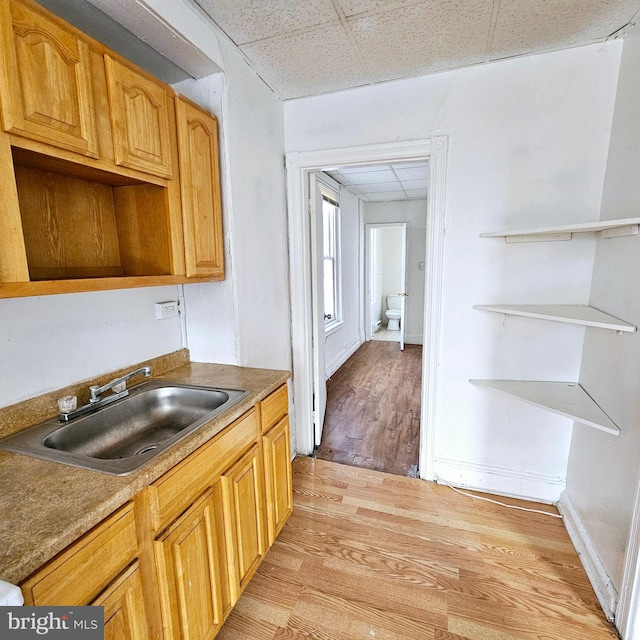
(308, 47)
(418, 39)
(400, 181)
(319, 61)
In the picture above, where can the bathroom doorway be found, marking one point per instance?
(386, 282)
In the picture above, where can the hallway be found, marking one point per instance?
(373, 410)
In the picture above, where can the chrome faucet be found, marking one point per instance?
(95, 391)
(96, 401)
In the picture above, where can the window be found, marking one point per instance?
(331, 257)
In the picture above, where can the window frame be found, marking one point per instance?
(332, 198)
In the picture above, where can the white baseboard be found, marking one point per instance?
(595, 570)
(342, 357)
(499, 480)
(413, 339)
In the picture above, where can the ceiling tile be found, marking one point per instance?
(368, 177)
(409, 185)
(423, 38)
(525, 26)
(415, 173)
(354, 7)
(380, 187)
(416, 194)
(251, 20)
(318, 61)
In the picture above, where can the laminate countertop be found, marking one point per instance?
(45, 506)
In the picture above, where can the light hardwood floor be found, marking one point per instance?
(373, 409)
(372, 555)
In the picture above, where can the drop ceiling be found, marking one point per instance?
(378, 183)
(309, 47)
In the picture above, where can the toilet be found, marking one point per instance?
(393, 313)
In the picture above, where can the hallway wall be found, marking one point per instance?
(528, 141)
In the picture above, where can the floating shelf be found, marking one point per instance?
(567, 399)
(568, 313)
(608, 228)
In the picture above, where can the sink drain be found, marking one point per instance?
(151, 447)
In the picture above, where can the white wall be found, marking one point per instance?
(342, 342)
(603, 470)
(48, 342)
(245, 319)
(414, 213)
(528, 143)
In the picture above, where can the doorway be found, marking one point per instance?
(386, 282)
(304, 386)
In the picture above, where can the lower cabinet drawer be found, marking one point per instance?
(81, 572)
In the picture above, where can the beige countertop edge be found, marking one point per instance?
(45, 506)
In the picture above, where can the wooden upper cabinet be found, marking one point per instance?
(200, 190)
(139, 111)
(45, 81)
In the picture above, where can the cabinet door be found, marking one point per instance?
(200, 190)
(243, 497)
(277, 473)
(45, 90)
(138, 108)
(188, 569)
(124, 612)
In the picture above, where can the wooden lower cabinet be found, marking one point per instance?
(171, 564)
(124, 611)
(243, 503)
(189, 573)
(277, 474)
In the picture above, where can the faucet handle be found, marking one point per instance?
(94, 396)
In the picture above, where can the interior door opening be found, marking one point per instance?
(368, 413)
(304, 380)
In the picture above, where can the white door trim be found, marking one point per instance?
(627, 615)
(298, 163)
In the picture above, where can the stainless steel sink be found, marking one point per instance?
(122, 436)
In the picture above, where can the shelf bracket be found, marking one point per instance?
(619, 232)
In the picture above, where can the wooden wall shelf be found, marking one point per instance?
(568, 313)
(567, 399)
(608, 228)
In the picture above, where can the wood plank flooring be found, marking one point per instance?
(371, 555)
(373, 409)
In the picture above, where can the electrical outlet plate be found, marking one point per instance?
(166, 310)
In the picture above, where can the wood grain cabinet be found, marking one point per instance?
(277, 460)
(99, 569)
(173, 563)
(124, 611)
(45, 84)
(200, 190)
(139, 110)
(96, 192)
(187, 560)
(243, 500)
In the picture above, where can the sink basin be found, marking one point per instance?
(121, 437)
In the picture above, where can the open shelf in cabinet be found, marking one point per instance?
(609, 228)
(567, 399)
(82, 223)
(567, 313)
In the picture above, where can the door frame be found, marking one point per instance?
(297, 165)
(369, 227)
